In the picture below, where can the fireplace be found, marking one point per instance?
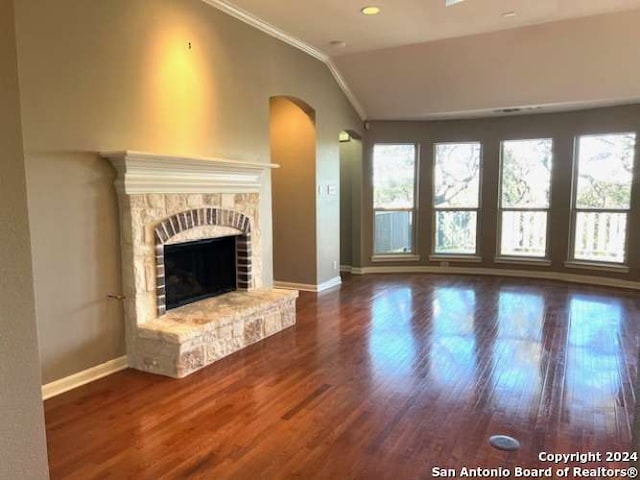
(198, 270)
(203, 225)
(185, 305)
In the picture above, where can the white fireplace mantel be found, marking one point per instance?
(141, 173)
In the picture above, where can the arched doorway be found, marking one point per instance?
(292, 131)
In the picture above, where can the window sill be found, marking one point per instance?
(436, 257)
(396, 258)
(604, 267)
(540, 262)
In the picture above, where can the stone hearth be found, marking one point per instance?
(165, 200)
(189, 337)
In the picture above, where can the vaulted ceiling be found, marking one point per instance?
(419, 59)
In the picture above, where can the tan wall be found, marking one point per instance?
(346, 215)
(23, 452)
(119, 74)
(350, 202)
(592, 59)
(293, 147)
(328, 205)
(562, 127)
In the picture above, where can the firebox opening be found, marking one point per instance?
(198, 270)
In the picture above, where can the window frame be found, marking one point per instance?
(461, 257)
(524, 259)
(398, 256)
(572, 261)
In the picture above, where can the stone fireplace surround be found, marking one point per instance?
(166, 200)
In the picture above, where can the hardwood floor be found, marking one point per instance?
(385, 378)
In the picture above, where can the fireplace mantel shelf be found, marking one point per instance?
(140, 173)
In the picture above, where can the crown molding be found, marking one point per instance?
(342, 83)
(256, 22)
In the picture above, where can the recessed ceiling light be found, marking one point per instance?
(338, 44)
(509, 14)
(370, 10)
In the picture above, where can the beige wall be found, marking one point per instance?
(328, 204)
(293, 147)
(307, 217)
(23, 452)
(346, 215)
(119, 74)
(350, 202)
(562, 127)
(592, 59)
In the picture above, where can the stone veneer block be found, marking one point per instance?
(191, 337)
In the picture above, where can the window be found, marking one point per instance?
(456, 198)
(525, 183)
(602, 197)
(394, 199)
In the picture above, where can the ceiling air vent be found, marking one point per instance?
(449, 3)
(518, 109)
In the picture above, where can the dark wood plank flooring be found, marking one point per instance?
(385, 378)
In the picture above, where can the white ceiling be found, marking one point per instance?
(403, 22)
(419, 59)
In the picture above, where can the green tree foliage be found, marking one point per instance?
(457, 175)
(393, 176)
(526, 173)
(605, 171)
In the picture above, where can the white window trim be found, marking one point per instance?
(524, 259)
(572, 262)
(414, 210)
(454, 256)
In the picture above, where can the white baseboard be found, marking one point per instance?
(81, 378)
(565, 277)
(334, 282)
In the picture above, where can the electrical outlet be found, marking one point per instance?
(335, 264)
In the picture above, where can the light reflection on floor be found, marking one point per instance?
(392, 344)
(503, 358)
(453, 343)
(517, 349)
(593, 356)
